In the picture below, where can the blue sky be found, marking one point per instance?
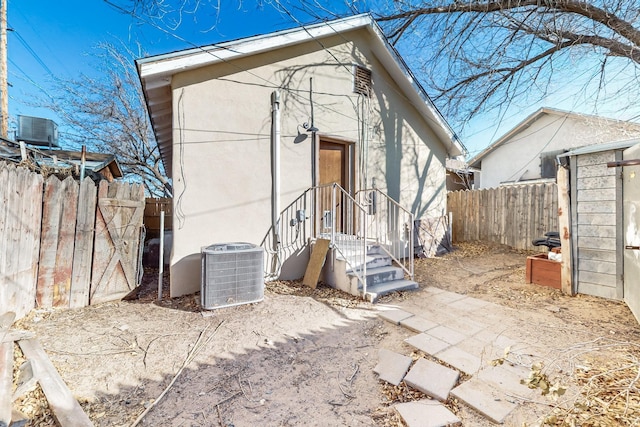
(59, 42)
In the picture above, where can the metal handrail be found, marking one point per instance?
(386, 226)
(293, 232)
(351, 230)
(292, 236)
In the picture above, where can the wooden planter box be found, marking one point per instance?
(543, 271)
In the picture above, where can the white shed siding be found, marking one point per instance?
(596, 221)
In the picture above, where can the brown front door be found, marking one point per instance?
(332, 169)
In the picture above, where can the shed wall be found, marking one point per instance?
(597, 218)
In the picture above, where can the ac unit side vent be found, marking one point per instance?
(232, 274)
(362, 81)
(37, 131)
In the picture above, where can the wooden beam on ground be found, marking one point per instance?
(564, 225)
(6, 381)
(316, 261)
(66, 409)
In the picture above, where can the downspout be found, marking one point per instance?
(275, 173)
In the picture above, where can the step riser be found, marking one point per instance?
(375, 278)
(373, 263)
(386, 288)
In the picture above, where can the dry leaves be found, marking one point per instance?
(610, 393)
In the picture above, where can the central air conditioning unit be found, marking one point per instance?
(37, 131)
(232, 274)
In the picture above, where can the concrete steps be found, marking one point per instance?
(382, 277)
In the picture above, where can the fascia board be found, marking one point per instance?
(165, 65)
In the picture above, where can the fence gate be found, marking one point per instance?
(631, 207)
(118, 219)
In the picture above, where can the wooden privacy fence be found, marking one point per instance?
(66, 244)
(512, 215)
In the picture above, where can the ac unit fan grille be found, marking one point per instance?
(232, 278)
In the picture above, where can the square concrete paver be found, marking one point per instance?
(476, 347)
(507, 378)
(427, 343)
(469, 304)
(426, 413)
(484, 398)
(418, 324)
(395, 316)
(447, 334)
(447, 297)
(432, 379)
(466, 325)
(460, 359)
(392, 366)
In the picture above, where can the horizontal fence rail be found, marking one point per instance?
(510, 215)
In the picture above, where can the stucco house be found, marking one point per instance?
(527, 153)
(247, 127)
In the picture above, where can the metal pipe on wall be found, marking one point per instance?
(275, 167)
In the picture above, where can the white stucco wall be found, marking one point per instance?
(221, 153)
(518, 158)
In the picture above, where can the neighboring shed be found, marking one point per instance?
(597, 219)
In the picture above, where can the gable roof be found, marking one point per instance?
(475, 161)
(155, 74)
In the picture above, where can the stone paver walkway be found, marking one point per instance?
(467, 334)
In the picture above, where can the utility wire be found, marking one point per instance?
(32, 52)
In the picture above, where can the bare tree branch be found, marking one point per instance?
(109, 115)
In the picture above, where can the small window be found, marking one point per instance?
(548, 168)
(362, 81)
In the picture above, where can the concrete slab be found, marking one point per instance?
(484, 398)
(460, 359)
(495, 314)
(418, 324)
(427, 343)
(466, 325)
(474, 346)
(426, 413)
(433, 290)
(447, 334)
(507, 378)
(432, 379)
(394, 316)
(469, 304)
(392, 366)
(446, 297)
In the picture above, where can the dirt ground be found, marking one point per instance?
(305, 357)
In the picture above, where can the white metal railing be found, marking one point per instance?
(290, 236)
(349, 223)
(326, 212)
(389, 225)
(339, 220)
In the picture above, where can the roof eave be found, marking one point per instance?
(155, 74)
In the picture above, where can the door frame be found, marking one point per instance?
(350, 173)
(350, 160)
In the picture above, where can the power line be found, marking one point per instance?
(32, 52)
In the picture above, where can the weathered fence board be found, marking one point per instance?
(47, 236)
(20, 213)
(83, 251)
(118, 222)
(512, 215)
(58, 235)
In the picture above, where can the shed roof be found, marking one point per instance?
(155, 74)
(598, 148)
